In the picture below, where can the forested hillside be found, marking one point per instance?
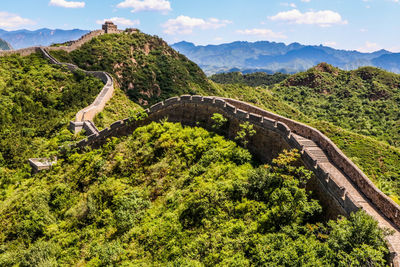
(379, 160)
(251, 79)
(169, 195)
(145, 67)
(150, 71)
(37, 101)
(365, 101)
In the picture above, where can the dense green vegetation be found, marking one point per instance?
(146, 68)
(252, 79)
(37, 100)
(168, 195)
(117, 108)
(379, 160)
(365, 101)
(303, 97)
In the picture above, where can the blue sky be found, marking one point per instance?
(364, 25)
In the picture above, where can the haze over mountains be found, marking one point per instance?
(273, 57)
(246, 57)
(25, 38)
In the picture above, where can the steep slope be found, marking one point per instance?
(365, 101)
(145, 67)
(278, 57)
(169, 195)
(378, 160)
(4, 45)
(42, 37)
(37, 101)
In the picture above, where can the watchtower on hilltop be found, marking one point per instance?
(110, 27)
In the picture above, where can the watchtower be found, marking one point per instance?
(110, 27)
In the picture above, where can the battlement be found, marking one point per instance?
(110, 27)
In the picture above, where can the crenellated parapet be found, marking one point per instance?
(88, 113)
(340, 183)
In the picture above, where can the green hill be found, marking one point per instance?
(251, 79)
(4, 45)
(37, 102)
(365, 101)
(378, 159)
(169, 195)
(358, 109)
(146, 68)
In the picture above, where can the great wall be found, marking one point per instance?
(339, 183)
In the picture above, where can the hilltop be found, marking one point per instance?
(145, 67)
(274, 57)
(365, 100)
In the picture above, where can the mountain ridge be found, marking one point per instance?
(278, 57)
(41, 37)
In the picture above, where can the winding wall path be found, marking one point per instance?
(84, 117)
(339, 181)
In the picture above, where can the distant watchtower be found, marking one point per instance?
(110, 27)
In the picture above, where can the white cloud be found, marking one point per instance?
(330, 44)
(120, 21)
(306, 1)
(262, 32)
(369, 47)
(67, 4)
(186, 25)
(11, 21)
(146, 5)
(323, 18)
(289, 4)
(363, 30)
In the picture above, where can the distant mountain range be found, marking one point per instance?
(274, 57)
(25, 38)
(4, 45)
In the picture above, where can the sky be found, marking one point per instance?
(363, 25)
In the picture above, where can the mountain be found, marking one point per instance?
(358, 110)
(146, 68)
(25, 38)
(4, 45)
(273, 57)
(164, 195)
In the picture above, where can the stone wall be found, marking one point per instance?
(271, 138)
(73, 45)
(274, 133)
(89, 112)
(23, 52)
(386, 205)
